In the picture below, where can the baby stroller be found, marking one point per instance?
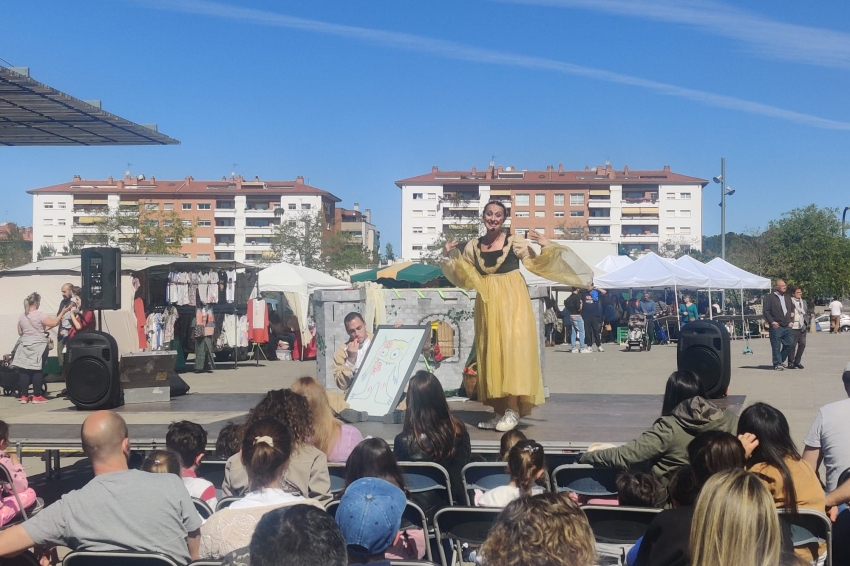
(661, 333)
(637, 335)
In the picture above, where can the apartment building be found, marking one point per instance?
(359, 226)
(640, 210)
(233, 218)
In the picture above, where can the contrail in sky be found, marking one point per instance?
(462, 52)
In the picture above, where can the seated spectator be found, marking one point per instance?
(526, 464)
(297, 536)
(369, 517)
(120, 509)
(547, 529)
(229, 441)
(335, 439)
(828, 440)
(266, 449)
(162, 462)
(637, 489)
(307, 472)
(9, 508)
(507, 442)
(685, 413)
(432, 434)
(735, 522)
(772, 456)
(189, 440)
(280, 337)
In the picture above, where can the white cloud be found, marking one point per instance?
(459, 51)
(764, 36)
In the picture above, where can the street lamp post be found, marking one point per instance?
(723, 208)
(843, 217)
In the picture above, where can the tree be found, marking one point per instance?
(453, 232)
(142, 231)
(14, 249)
(573, 230)
(72, 247)
(45, 251)
(389, 254)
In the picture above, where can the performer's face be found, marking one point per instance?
(356, 329)
(494, 217)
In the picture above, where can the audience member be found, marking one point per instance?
(509, 439)
(330, 435)
(638, 489)
(162, 462)
(120, 509)
(229, 440)
(266, 448)
(307, 472)
(369, 517)
(685, 413)
(828, 440)
(772, 456)
(547, 529)
(189, 440)
(666, 540)
(432, 434)
(9, 507)
(297, 536)
(526, 464)
(735, 522)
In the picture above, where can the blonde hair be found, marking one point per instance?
(162, 462)
(507, 442)
(549, 528)
(326, 427)
(32, 299)
(735, 522)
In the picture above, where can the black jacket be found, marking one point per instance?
(772, 309)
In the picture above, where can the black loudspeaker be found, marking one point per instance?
(92, 378)
(101, 278)
(704, 349)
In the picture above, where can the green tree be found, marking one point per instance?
(14, 249)
(45, 251)
(389, 254)
(137, 230)
(453, 232)
(72, 247)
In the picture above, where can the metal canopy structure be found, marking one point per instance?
(34, 114)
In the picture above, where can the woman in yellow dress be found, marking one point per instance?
(509, 377)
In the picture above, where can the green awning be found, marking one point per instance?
(407, 271)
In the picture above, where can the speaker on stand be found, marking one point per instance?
(704, 348)
(92, 379)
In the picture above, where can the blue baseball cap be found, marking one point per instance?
(369, 515)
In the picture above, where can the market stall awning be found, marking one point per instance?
(406, 271)
(32, 113)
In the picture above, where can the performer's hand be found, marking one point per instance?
(535, 236)
(352, 349)
(450, 245)
(749, 441)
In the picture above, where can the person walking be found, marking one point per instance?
(574, 321)
(778, 311)
(799, 327)
(647, 307)
(835, 307)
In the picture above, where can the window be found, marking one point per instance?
(61, 205)
(540, 199)
(559, 214)
(540, 230)
(522, 200)
(522, 232)
(684, 213)
(291, 206)
(417, 214)
(187, 222)
(169, 240)
(204, 257)
(417, 248)
(671, 213)
(432, 213)
(685, 196)
(48, 239)
(48, 205)
(203, 223)
(670, 230)
(417, 196)
(576, 231)
(671, 196)
(60, 238)
(521, 214)
(225, 204)
(432, 196)
(576, 199)
(152, 223)
(432, 230)
(305, 206)
(204, 240)
(204, 206)
(686, 230)
(48, 222)
(167, 223)
(559, 231)
(168, 206)
(186, 206)
(151, 206)
(186, 240)
(61, 222)
(576, 213)
(540, 214)
(559, 199)
(417, 229)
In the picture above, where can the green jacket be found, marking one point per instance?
(665, 446)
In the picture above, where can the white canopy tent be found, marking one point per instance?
(748, 280)
(612, 263)
(718, 279)
(297, 283)
(651, 272)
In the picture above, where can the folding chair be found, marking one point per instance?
(584, 479)
(212, 471)
(618, 525)
(557, 459)
(226, 502)
(203, 508)
(25, 514)
(469, 525)
(117, 558)
(413, 514)
(337, 472)
(420, 477)
(202, 562)
(809, 526)
(486, 476)
(411, 563)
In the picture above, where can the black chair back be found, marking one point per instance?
(420, 477)
(584, 479)
(337, 473)
(484, 476)
(413, 515)
(203, 509)
(619, 525)
(117, 558)
(809, 526)
(226, 502)
(469, 525)
(212, 471)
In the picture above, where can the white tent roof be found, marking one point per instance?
(613, 262)
(285, 277)
(748, 280)
(718, 279)
(651, 271)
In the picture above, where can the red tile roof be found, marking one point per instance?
(189, 187)
(511, 176)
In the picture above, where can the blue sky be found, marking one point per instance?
(355, 95)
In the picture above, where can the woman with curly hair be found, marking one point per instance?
(307, 472)
(335, 439)
(549, 529)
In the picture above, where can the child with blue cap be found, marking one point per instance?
(369, 516)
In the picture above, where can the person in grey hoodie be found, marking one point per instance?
(685, 413)
(647, 307)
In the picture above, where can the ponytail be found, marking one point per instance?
(266, 447)
(525, 462)
(31, 299)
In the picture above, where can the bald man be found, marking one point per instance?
(120, 509)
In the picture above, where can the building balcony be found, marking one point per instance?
(599, 221)
(638, 220)
(452, 204)
(600, 203)
(260, 212)
(225, 213)
(224, 246)
(647, 237)
(457, 219)
(257, 246)
(224, 230)
(599, 237)
(260, 230)
(646, 201)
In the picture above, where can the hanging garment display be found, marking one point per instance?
(231, 285)
(258, 321)
(153, 331)
(212, 287)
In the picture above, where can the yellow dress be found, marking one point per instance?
(505, 331)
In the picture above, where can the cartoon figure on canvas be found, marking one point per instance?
(372, 381)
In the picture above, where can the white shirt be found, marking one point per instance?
(835, 308)
(264, 498)
(502, 495)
